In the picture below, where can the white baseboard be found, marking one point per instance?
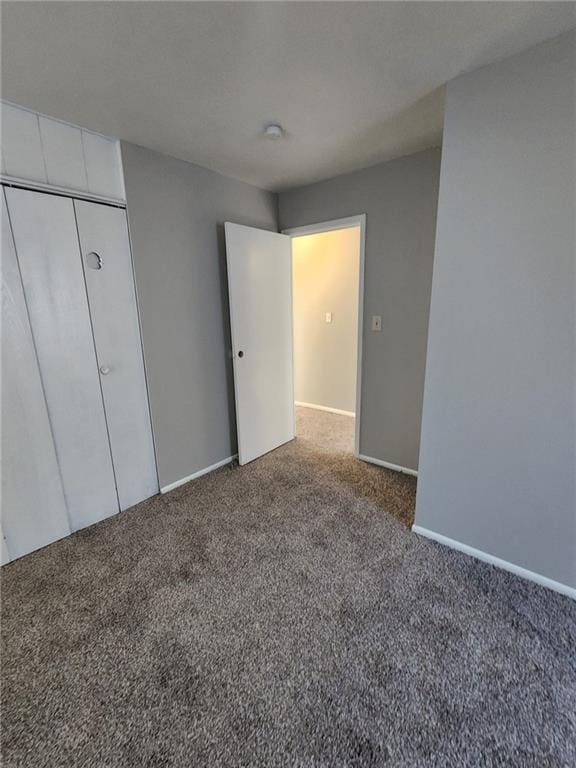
(388, 465)
(325, 408)
(199, 473)
(544, 581)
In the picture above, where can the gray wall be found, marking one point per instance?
(399, 199)
(497, 461)
(176, 212)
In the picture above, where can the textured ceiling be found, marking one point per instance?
(352, 83)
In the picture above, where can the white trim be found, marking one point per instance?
(326, 226)
(359, 220)
(42, 186)
(544, 581)
(199, 473)
(389, 465)
(325, 408)
(293, 382)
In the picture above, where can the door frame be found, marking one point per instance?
(358, 220)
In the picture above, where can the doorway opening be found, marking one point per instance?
(327, 283)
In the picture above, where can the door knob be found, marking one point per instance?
(240, 354)
(104, 370)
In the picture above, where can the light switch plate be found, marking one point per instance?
(328, 317)
(376, 322)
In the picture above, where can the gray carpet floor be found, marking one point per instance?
(281, 614)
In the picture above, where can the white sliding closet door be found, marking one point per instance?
(46, 240)
(107, 261)
(4, 554)
(33, 505)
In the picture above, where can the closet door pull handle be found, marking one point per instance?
(94, 260)
(104, 370)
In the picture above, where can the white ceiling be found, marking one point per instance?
(352, 83)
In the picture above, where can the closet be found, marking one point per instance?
(77, 439)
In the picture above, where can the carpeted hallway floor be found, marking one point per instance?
(326, 431)
(281, 614)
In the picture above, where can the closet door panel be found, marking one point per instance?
(46, 241)
(63, 154)
(4, 554)
(21, 144)
(103, 165)
(107, 264)
(33, 504)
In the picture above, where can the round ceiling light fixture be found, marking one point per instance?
(273, 132)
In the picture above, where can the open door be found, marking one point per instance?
(260, 290)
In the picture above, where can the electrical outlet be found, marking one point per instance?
(328, 317)
(376, 322)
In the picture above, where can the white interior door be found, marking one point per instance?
(260, 291)
(107, 262)
(46, 240)
(33, 504)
